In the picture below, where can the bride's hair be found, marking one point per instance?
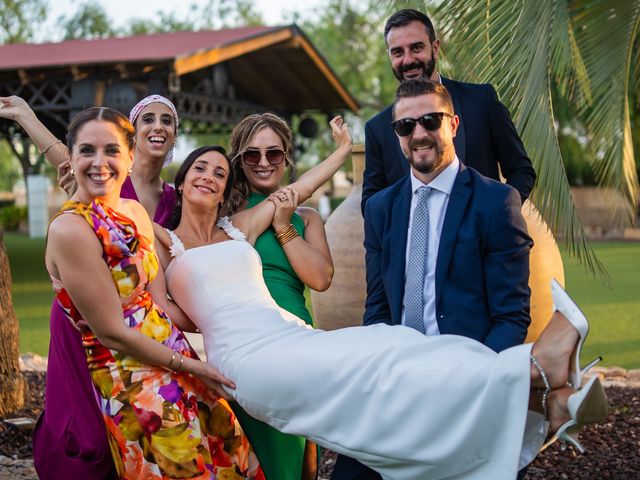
(241, 137)
(182, 173)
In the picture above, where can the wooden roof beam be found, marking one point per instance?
(301, 42)
(206, 58)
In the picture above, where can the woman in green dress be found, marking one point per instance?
(294, 253)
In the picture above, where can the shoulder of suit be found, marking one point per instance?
(489, 185)
(385, 196)
(382, 117)
(467, 86)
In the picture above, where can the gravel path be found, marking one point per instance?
(613, 448)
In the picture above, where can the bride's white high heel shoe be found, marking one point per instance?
(587, 406)
(563, 303)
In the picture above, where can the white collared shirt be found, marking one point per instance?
(437, 202)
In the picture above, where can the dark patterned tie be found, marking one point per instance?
(416, 266)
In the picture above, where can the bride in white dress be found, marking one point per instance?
(407, 405)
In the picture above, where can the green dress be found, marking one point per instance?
(280, 455)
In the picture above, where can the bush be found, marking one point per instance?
(11, 217)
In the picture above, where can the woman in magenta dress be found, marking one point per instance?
(70, 438)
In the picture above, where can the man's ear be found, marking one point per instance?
(455, 121)
(435, 46)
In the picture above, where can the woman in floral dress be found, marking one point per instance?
(163, 416)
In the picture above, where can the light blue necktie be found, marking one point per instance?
(416, 266)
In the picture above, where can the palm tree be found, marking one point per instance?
(590, 51)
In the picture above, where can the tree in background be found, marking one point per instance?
(91, 21)
(20, 19)
(589, 50)
(12, 383)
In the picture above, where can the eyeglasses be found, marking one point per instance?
(430, 121)
(274, 156)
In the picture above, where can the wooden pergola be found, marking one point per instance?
(214, 77)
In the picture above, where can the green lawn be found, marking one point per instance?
(614, 312)
(32, 293)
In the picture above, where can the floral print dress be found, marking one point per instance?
(160, 424)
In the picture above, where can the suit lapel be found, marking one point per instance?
(460, 194)
(460, 140)
(397, 246)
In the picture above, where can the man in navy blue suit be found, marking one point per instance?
(460, 253)
(486, 138)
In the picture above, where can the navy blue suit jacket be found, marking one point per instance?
(486, 138)
(482, 266)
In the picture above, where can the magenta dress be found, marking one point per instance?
(70, 438)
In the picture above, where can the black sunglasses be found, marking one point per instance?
(430, 121)
(274, 156)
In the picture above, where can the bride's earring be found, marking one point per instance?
(129, 170)
(72, 172)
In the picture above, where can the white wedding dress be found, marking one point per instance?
(407, 405)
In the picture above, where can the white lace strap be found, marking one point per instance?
(177, 247)
(225, 224)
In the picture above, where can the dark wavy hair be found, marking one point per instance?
(404, 17)
(182, 173)
(241, 137)
(106, 115)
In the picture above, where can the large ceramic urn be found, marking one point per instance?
(342, 305)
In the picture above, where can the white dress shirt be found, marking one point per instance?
(437, 204)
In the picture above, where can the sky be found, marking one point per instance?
(275, 12)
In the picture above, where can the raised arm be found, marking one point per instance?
(256, 220)
(321, 173)
(16, 109)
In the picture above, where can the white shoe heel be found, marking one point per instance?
(564, 304)
(587, 406)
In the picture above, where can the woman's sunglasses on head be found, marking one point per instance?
(430, 121)
(274, 156)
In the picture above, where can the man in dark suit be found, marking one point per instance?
(447, 249)
(486, 139)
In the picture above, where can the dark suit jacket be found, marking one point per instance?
(486, 138)
(482, 268)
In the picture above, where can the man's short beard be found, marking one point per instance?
(429, 167)
(427, 69)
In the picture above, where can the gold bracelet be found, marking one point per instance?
(286, 234)
(181, 360)
(285, 231)
(43, 152)
(289, 236)
(170, 364)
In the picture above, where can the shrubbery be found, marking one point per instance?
(11, 217)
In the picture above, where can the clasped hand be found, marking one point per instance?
(286, 202)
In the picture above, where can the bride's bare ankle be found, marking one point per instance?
(557, 407)
(553, 351)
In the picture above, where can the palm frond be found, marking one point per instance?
(607, 33)
(635, 75)
(521, 47)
